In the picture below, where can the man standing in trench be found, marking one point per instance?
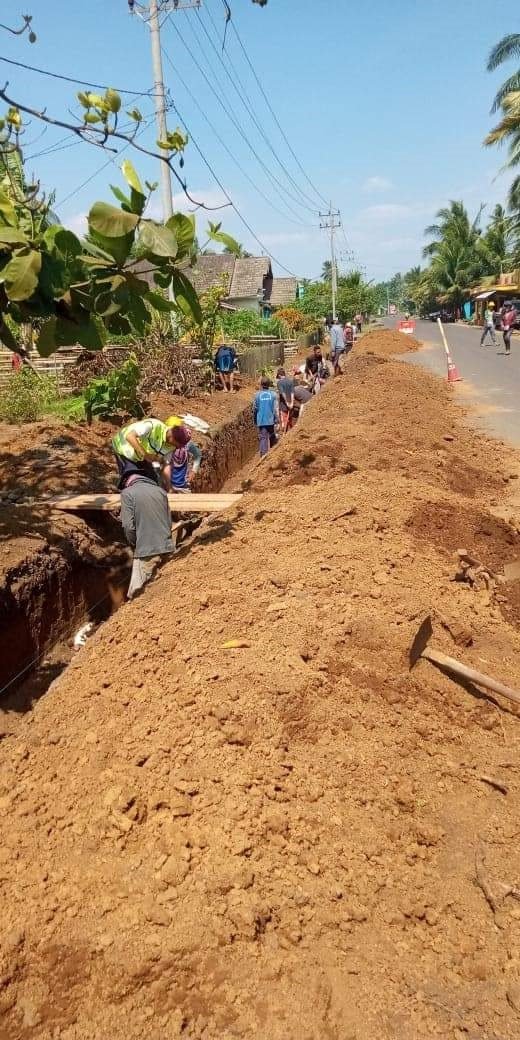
(146, 520)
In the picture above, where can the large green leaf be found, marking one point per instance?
(61, 240)
(157, 239)
(117, 249)
(7, 210)
(111, 222)
(12, 236)
(186, 296)
(121, 197)
(21, 274)
(183, 228)
(230, 243)
(159, 303)
(131, 176)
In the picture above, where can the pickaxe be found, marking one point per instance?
(420, 648)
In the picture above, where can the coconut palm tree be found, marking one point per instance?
(453, 221)
(506, 48)
(326, 271)
(496, 244)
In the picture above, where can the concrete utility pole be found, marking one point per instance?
(330, 222)
(149, 13)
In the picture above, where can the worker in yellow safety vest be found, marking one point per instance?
(141, 444)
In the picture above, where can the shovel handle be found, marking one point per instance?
(469, 673)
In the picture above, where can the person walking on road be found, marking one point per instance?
(337, 347)
(509, 317)
(489, 324)
(266, 415)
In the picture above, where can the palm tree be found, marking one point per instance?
(497, 242)
(453, 222)
(326, 271)
(507, 99)
(508, 47)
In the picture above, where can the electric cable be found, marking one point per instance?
(225, 147)
(235, 123)
(78, 82)
(272, 110)
(244, 98)
(206, 162)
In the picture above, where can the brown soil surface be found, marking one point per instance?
(391, 343)
(293, 840)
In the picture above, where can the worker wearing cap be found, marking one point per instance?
(141, 444)
(489, 324)
(183, 463)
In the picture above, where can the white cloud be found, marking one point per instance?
(386, 213)
(284, 238)
(77, 223)
(377, 183)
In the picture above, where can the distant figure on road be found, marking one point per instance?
(266, 415)
(359, 322)
(489, 324)
(509, 317)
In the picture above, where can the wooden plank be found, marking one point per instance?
(178, 503)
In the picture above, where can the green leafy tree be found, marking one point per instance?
(79, 292)
(326, 271)
(497, 243)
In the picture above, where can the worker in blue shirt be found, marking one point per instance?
(266, 415)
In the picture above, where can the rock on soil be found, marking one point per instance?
(281, 841)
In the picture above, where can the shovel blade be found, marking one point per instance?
(421, 641)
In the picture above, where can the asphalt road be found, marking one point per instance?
(491, 381)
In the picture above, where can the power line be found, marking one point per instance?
(235, 123)
(225, 147)
(246, 101)
(272, 110)
(206, 162)
(71, 79)
(112, 159)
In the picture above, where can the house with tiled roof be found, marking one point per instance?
(249, 279)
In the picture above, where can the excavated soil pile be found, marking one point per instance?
(297, 839)
(386, 345)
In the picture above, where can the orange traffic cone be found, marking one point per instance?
(453, 372)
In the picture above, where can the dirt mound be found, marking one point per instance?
(386, 343)
(300, 838)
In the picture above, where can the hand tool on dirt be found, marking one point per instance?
(420, 648)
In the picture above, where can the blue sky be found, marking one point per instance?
(385, 105)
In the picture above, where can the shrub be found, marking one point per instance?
(114, 393)
(168, 366)
(242, 325)
(27, 397)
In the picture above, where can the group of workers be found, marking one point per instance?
(153, 458)
(156, 458)
(276, 410)
(505, 319)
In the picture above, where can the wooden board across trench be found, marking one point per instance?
(211, 503)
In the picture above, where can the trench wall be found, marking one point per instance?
(81, 575)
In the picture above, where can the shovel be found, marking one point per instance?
(420, 648)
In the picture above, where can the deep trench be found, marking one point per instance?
(51, 597)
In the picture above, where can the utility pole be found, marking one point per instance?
(330, 222)
(150, 13)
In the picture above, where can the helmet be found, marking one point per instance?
(173, 420)
(491, 305)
